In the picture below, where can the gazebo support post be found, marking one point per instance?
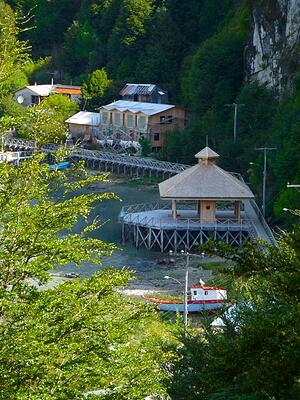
(237, 210)
(174, 210)
(199, 208)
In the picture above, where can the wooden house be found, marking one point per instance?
(32, 95)
(139, 119)
(144, 92)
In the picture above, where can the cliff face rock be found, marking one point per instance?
(272, 55)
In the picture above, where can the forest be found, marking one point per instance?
(195, 50)
(84, 339)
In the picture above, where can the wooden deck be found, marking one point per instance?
(186, 219)
(152, 226)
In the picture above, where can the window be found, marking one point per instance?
(205, 292)
(35, 100)
(170, 119)
(162, 119)
(117, 118)
(142, 122)
(195, 292)
(208, 207)
(156, 137)
(130, 121)
(104, 117)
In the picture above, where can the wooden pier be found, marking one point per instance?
(105, 161)
(151, 226)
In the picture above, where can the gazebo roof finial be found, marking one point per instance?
(207, 154)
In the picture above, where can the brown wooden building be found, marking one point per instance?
(138, 119)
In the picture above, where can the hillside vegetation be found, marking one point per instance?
(195, 50)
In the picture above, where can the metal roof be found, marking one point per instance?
(45, 90)
(39, 90)
(131, 89)
(66, 90)
(84, 118)
(205, 181)
(137, 106)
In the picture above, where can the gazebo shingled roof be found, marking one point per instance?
(205, 180)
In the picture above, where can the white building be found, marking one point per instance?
(83, 123)
(33, 94)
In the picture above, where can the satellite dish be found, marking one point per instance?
(20, 99)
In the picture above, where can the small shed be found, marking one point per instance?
(206, 184)
(83, 123)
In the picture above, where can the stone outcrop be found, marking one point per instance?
(272, 55)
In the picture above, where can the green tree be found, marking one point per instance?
(128, 33)
(257, 354)
(79, 336)
(42, 126)
(60, 106)
(96, 88)
(145, 146)
(13, 52)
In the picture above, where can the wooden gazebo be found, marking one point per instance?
(206, 184)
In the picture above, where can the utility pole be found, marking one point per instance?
(265, 150)
(235, 106)
(186, 282)
(186, 287)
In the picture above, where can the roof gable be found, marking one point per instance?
(137, 106)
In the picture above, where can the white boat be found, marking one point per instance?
(202, 298)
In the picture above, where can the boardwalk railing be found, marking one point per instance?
(263, 222)
(186, 223)
(131, 215)
(100, 156)
(166, 205)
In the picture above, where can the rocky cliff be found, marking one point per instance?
(272, 55)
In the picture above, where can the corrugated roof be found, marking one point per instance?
(130, 89)
(204, 182)
(45, 90)
(84, 118)
(137, 106)
(66, 90)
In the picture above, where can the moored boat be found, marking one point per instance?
(202, 298)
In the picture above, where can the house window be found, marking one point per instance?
(170, 119)
(117, 119)
(130, 121)
(205, 292)
(104, 117)
(35, 100)
(195, 292)
(156, 137)
(142, 122)
(162, 119)
(208, 207)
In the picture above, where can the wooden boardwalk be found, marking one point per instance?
(104, 161)
(152, 226)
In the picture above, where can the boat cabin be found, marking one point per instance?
(208, 293)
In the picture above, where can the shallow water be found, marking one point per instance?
(150, 274)
(108, 212)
